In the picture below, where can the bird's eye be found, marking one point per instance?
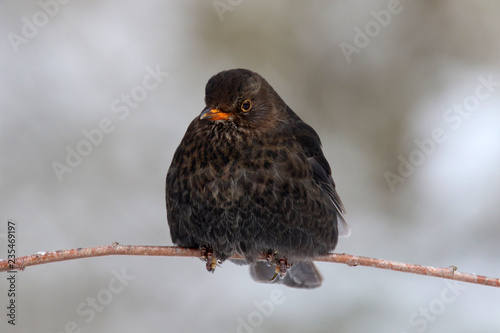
(246, 106)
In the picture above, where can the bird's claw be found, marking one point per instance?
(207, 254)
(281, 266)
(211, 264)
(270, 256)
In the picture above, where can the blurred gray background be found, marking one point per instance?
(376, 80)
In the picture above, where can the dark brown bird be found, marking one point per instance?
(250, 178)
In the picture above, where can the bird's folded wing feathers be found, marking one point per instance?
(322, 173)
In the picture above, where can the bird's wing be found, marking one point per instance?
(311, 144)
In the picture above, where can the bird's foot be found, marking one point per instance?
(207, 254)
(281, 266)
(270, 256)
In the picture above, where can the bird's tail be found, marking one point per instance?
(302, 274)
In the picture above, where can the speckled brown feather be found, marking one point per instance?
(255, 183)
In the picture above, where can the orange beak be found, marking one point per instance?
(214, 114)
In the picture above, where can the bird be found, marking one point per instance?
(250, 178)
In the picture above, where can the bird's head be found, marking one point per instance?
(242, 98)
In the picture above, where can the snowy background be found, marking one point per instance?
(378, 82)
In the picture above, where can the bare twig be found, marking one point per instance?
(172, 251)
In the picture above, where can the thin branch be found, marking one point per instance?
(172, 251)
